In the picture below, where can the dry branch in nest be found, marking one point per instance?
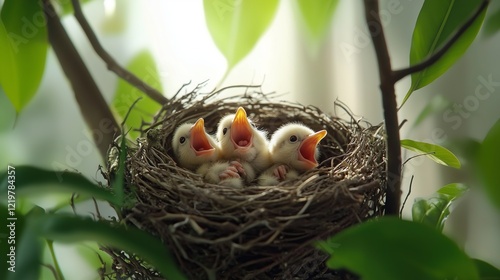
(255, 232)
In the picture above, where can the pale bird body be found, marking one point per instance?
(294, 150)
(241, 141)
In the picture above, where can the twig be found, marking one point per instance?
(399, 74)
(402, 123)
(111, 62)
(393, 194)
(416, 156)
(92, 105)
(406, 198)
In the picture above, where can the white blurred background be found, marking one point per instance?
(50, 128)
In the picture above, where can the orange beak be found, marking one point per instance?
(199, 139)
(241, 130)
(307, 150)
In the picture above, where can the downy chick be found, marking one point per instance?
(294, 150)
(193, 147)
(240, 141)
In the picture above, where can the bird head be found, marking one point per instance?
(193, 146)
(296, 145)
(239, 138)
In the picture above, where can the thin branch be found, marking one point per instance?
(393, 192)
(399, 74)
(402, 123)
(406, 198)
(93, 107)
(111, 62)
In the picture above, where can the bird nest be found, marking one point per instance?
(255, 232)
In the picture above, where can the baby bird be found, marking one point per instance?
(293, 149)
(241, 142)
(193, 147)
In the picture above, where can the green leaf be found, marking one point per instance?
(8, 117)
(237, 25)
(29, 247)
(436, 23)
(435, 210)
(390, 248)
(29, 253)
(23, 50)
(453, 191)
(437, 104)
(32, 180)
(317, 16)
(437, 153)
(486, 270)
(65, 228)
(489, 163)
(144, 67)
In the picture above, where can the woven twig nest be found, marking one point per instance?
(255, 232)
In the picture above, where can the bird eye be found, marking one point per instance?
(182, 140)
(293, 138)
(224, 131)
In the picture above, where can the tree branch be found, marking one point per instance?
(111, 62)
(399, 74)
(393, 192)
(92, 105)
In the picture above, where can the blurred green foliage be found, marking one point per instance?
(385, 248)
(435, 210)
(391, 248)
(23, 50)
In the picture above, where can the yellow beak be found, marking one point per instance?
(241, 130)
(307, 150)
(199, 139)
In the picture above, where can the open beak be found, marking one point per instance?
(199, 139)
(307, 150)
(241, 130)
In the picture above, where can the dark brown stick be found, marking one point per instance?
(399, 74)
(110, 61)
(93, 107)
(393, 193)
